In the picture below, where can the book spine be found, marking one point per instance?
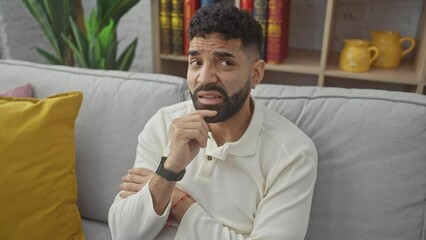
(189, 8)
(260, 13)
(277, 31)
(207, 2)
(165, 26)
(177, 27)
(247, 5)
(237, 3)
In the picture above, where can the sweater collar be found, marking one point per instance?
(245, 146)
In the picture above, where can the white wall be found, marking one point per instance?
(20, 34)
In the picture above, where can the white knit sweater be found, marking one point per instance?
(259, 187)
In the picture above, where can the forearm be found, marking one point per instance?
(181, 203)
(134, 217)
(161, 192)
(198, 224)
(282, 213)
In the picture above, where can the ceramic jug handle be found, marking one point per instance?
(410, 48)
(375, 51)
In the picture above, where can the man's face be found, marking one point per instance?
(218, 76)
(229, 105)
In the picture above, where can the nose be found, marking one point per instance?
(208, 74)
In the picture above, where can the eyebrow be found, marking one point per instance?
(216, 54)
(223, 54)
(193, 53)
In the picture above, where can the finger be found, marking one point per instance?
(125, 194)
(204, 113)
(132, 187)
(187, 135)
(134, 172)
(133, 178)
(196, 116)
(192, 122)
(140, 171)
(200, 126)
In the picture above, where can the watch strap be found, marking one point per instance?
(168, 174)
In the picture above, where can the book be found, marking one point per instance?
(260, 13)
(189, 8)
(177, 27)
(247, 5)
(165, 27)
(237, 3)
(277, 31)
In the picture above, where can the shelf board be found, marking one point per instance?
(298, 61)
(180, 58)
(404, 74)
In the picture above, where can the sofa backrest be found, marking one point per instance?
(116, 106)
(371, 144)
(372, 159)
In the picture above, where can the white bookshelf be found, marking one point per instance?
(317, 31)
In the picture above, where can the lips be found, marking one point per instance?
(209, 97)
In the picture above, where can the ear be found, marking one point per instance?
(258, 70)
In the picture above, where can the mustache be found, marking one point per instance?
(211, 87)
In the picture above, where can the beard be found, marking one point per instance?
(229, 106)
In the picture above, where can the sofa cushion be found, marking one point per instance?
(23, 90)
(372, 159)
(115, 108)
(95, 230)
(38, 196)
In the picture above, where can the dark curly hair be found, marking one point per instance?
(230, 22)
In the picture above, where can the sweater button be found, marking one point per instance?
(209, 158)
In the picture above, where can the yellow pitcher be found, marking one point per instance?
(390, 46)
(357, 55)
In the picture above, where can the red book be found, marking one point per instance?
(277, 31)
(247, 5)
(189, 8)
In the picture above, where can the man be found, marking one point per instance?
(219, 166)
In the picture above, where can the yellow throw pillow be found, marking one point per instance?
(38, 186)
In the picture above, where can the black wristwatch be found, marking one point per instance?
(167, 174)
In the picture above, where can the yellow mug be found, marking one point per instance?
(390, 46)
(357, 55)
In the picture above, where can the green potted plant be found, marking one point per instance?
(76, 41)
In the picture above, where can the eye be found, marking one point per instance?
(226, 63)
(194, 63)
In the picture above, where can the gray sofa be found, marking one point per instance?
(371, 144)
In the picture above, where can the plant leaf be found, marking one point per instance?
(60, 12)
(107, 35)
(111, 56)
(126, 58)
(79, 37)
(115, 10)
(52, 17)
(38, 12)
(95, 53)
(92, 25)
(79, 16)
(52, 59)
(78, 56)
